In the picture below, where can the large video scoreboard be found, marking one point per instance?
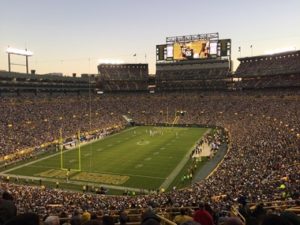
(193, 47)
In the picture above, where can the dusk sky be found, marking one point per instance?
(70, 36)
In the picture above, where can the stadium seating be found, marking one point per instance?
(123, 77)
(263, 126)
(268, 71)
(261, 165)
(192, 75)
(277, 64)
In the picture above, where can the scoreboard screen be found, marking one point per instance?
(190, 50)
(183, 48)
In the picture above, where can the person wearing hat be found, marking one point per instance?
(202, 216)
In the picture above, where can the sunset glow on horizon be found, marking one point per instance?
(71, 36)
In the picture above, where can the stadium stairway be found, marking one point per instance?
(176, 120)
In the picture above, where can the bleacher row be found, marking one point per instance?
(278, 70)
(275, 81)
(277, 64)
(117, 72)
(213, 73)
(123, 85)
(31, 82)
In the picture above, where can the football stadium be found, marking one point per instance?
(209, 138)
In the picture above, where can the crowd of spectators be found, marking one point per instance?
(277, 81)
(123, 85)
(262, 163)
(30, 121)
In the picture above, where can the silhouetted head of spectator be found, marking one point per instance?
(201, 205)
(63, 218)
(8, 210)
(182, 211)
(108, 220)
(291, 217)
(232, 221)
(7, 196)
(274, 220)
(150, 218)
(25, 219)
(242, 200)
(123, 217)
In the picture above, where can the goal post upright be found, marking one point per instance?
(79, 152)
(60, 141)
(61, 149)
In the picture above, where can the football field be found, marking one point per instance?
(139, 157)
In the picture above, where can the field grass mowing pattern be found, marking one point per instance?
(146, 159)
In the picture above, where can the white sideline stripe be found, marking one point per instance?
(83, 183)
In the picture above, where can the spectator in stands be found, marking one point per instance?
(8, 210)
(202, 216)
(86, 216)
(76, 218)
(123, 217)
(150, 218)
(64, 220)
(51, 220)
(24, 219)
(108, 220)
(179, 219)
(262, 128)
(274, 220)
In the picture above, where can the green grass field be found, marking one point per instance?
(132, 159)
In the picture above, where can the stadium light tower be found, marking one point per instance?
(14, 51)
